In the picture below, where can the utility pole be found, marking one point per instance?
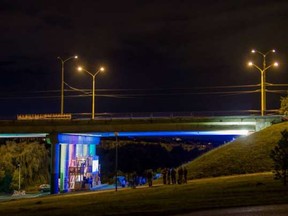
(116, 161)
(263, 76)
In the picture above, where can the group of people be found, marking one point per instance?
(169, 175)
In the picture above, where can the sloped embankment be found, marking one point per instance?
(248, 154)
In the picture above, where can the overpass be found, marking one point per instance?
(74, 141)
(139, 123)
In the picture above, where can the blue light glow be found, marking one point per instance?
(94, 138)
(167, 133)
(78, 139)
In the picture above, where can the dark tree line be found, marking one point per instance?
(135, 157)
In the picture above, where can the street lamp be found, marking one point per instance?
(263, 76)
(116, 161)
(93, 87)
(62, 79)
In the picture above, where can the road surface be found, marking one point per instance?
(266, 210)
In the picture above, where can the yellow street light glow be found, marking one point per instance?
(62, 78)
(93, 75)
(263, 71)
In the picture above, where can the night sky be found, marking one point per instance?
(160, 56)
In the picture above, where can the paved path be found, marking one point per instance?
(10, 197)
(267, 210)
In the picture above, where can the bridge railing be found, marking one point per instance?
(146, 115)
(172, 114)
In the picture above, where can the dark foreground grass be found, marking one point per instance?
(230, 191)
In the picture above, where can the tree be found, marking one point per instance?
(284, 106)
(280, 157)
(33, 158)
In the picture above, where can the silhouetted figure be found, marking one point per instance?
(169, 176)
(173, 176)
(185, 172)
(180, 175)
(164, 174)
(149, 177)
(134, 180)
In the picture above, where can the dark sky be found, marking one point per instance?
(158, 55)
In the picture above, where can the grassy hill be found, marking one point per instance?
(248, 154)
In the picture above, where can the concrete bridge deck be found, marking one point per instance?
(250, 123)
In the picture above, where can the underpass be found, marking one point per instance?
(74, 141)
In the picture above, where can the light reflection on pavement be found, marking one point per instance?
(267, 210)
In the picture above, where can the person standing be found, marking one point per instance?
(134, 180)
(164, 175)
(173, 176)
(185, 172)
(149, 177)
(169, 176)
(180, 175)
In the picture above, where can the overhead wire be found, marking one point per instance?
(141, 89)
(138, 93)
(75, 89)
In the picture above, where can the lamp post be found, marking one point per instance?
(263, 76)
(116, 161)
(93, 87)
(62, 79)
(19, 185)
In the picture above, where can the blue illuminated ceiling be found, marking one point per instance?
(165, 133)
(136, 134)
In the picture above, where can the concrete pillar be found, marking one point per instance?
(54, 176)
(64, 167)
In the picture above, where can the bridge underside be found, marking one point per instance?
(75, 163)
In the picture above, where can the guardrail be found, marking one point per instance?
(172, 114)
(79, 116)
(53, 116)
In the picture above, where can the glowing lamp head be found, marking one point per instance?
(253, 51)
(79, 68)
(276, 64)
(76, 57)
(273, 51)
(250, 64)
(102, 69)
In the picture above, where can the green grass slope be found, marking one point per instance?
(248, 154)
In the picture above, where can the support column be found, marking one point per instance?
(54, 175)
(64, 162)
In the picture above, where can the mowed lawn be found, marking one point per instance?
(220, 192)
